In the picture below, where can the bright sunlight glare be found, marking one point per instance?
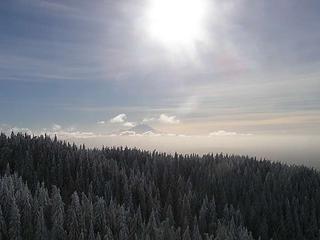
(176, 22)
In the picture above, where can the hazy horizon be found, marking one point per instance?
(290, 149)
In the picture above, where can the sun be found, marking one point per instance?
(176, 22)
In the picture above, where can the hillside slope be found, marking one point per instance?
(51, 189)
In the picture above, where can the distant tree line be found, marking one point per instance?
(50, 189)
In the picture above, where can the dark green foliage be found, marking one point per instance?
(54, 190)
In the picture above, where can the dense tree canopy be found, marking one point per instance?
(51, 189)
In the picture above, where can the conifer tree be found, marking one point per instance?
(2, 225)
(186, 234)
(14, 227)
(57, 215)
(134, 194)
(195, 232)
(41, 228)
(108, 235)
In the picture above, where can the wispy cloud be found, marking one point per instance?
(168, 119)
(190, 105)
(152, 134)
(74, 134)
(135, 134)
(129, 124)
(56, 127)
(127, 133)
(222, 133)
(146, 120)
(227, 133)
(121, 118)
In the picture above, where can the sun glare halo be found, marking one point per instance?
(176, 22)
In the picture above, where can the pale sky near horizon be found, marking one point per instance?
(234, 69)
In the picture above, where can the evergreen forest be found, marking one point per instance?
(52, 189)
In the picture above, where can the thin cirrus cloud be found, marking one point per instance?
(242, 68)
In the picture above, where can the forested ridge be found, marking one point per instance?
(51, 189)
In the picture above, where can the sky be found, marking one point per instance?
(235, 76)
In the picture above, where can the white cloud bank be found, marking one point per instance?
(222, 133)
(56, 127)
(146, 120)
(121, 118)
(7, 129)
(129, 124)
(168, 119)
(135, 134)
(128, 133)
(73, 133)
(226, 133)
(65, 133)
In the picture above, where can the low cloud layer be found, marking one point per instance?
(8, 129)
(131, 133)
(54, 130)
(56, 127)
(226, 133)
(279, 147)
(66, 133)
(122, 120)
(222, 133)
